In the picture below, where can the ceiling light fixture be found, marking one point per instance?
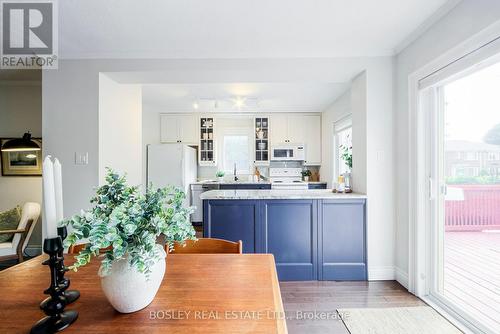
(21, 144)
(239, 102)
(196, 106)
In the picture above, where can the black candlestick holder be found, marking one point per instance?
(57, 318)
(71, 295)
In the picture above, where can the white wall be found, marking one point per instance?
(370, 103)
(359, 135)
(379, 170)
(338, 110)
(20, 111)
(120, 129)
(466, 19)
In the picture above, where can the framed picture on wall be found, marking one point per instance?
(22, 163)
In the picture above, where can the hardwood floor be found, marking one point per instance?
(310, 307)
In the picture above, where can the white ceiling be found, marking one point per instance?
(239, 28)
(260, 97)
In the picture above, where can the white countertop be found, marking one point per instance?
(231, 182)
(247, 182)
(279, 194)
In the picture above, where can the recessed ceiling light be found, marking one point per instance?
(239, 102)
(195, 105)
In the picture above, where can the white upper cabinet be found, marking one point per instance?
(178, 129)
(188, 128)
(311, 129)
(278, 129)
(298, 129)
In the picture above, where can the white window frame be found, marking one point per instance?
(237, 132)
(340, 125)
(479, 48)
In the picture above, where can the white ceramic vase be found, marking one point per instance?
(127, 290)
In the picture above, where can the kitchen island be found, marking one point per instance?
(313, 234)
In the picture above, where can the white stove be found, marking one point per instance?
(286, 179)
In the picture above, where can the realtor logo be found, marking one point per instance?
(28, 35)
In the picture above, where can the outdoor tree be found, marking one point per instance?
(493, 135)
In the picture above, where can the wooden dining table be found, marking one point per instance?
(200, 293)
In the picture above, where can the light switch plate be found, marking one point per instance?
(81, 158)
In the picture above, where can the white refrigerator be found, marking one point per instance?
(172, 164)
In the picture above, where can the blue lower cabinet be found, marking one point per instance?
(341, 244)
(310, 239)
(290, 232)
(232, 220)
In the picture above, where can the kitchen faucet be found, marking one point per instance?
(235, 177)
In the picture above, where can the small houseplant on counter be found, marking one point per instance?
(347, 158)
(220, 175)
(306, 174)
(123, 228)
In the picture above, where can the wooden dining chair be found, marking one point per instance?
(208, 246)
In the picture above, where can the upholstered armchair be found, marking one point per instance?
(15, 248)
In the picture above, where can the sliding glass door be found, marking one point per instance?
(464, 184)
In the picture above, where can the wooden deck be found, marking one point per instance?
(472, 274)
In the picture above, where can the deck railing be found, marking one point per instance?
(479, 210)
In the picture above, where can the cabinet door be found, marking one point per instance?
(290, 234)
(278, 129)
(311, 127)
(232, 220)
(296, 129)
(188, 129)
(341, 244)
(169, 128)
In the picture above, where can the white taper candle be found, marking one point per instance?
(58, 190)
(49, 203)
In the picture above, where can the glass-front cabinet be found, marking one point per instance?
(207, 156)
(261, 140)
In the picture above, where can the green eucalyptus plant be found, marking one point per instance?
(131, 223)
(346, 155)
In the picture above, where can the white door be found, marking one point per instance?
(169, 128)
(464, 170)
(278, 130)
(188, 129)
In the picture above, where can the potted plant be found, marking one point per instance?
(123, 228)
(346, 155)
(220, 175)
(306, 174)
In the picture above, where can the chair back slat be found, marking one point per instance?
(208, 246)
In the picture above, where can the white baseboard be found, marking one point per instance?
(401, 277)
(381, 273)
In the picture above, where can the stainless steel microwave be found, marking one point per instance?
(288, 152)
